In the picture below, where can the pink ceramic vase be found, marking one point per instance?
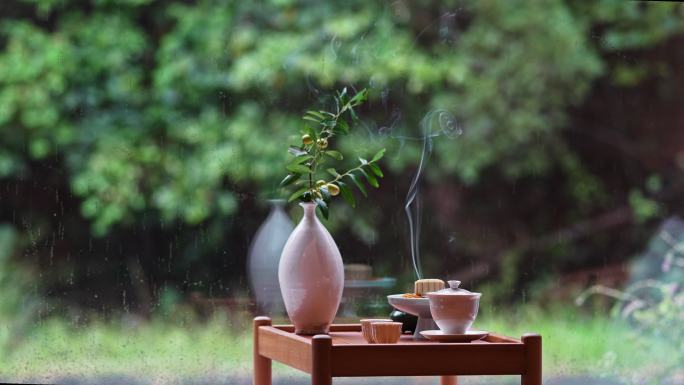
(311, 275)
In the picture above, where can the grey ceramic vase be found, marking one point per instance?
(264, 257)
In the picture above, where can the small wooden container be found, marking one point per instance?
(386, 332)
(366, 329)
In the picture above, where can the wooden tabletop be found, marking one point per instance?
(350, 334)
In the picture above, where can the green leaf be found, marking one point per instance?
(296, 151)
(363, 161)
(341, 128)
(371, 178)
(316, 114)
(358, 184)
(309, 118)
(323, 207)
(309, 131)
(333, 172)
(289, 179)
(298, 168)
(359, 98)
(298, 193)
(301, 159)
(328, 123)
(376, 169)
(347, 194)
(353, 115)
(378, 155)
(334, 154)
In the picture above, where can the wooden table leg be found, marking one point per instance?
(262, 365)
(321, 373)
(533, 352)
(448, 380)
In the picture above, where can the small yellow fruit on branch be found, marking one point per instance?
(333, 189)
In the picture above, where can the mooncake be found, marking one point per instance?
(423, 286)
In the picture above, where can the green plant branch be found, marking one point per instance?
(311, 154)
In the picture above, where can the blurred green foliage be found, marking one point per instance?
(653, 302)
(172, 110)
(19, 302)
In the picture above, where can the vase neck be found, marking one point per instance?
(309, 210)
(277, 203)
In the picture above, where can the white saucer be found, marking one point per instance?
(470, 335)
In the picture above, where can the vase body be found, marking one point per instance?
(311, 275)
(264, 257)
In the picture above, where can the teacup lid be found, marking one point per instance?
(454, 289)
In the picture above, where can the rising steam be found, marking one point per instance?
(435, 123)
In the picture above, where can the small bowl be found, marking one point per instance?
(366, 330)
(419, 307)
(386, 332)
(454, 310)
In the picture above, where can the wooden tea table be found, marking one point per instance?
(344, 353)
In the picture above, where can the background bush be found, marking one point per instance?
(140, 138)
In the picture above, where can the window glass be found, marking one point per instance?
(534, 152)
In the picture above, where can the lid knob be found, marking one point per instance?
(453, 285)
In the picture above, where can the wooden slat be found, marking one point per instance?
(345, 328)
(347, 334)
(333, 328)
(428, 359)
(355, 338)
(497, 338)
(287, 328)
(287, 348)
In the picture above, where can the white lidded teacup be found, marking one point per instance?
(454, 309)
